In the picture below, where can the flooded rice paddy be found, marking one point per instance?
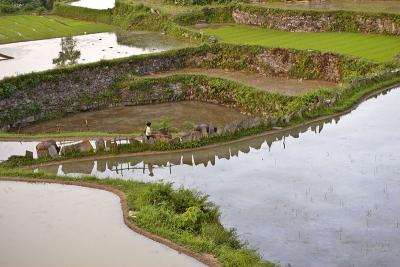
(62, 225)
(95, 4)
(327, 194)
(272, 84)
(127, 119)
(34, 56)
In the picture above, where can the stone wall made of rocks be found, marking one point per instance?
(58, 92)
(318, 21)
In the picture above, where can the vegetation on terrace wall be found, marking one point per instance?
(141, 17)
(97, 79)
(217, 14)
(349, 97)
(291, 62)
(339, 20)
(216, 90)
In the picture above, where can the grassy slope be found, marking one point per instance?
(374, 47)
(25, 28)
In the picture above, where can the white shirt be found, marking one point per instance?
(148, 131)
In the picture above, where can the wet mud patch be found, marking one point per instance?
(281, 85)
(178, 115)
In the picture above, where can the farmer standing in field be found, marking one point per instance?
(148, 130)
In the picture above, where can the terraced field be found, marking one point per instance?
(374, 47)
(27, 28)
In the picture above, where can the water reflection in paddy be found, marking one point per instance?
(59, 225)
(325, 195)
(10, 148)
(36, 56)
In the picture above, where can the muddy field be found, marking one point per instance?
(272, 84)
(180, 115)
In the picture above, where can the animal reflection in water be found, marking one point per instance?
(121, 166)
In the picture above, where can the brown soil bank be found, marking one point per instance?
(179, 115)
(284, 86)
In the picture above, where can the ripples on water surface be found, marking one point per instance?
(325, 195)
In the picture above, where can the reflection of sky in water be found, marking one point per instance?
(9, 148)
(327, 199)
(35, 56)
(95, 4)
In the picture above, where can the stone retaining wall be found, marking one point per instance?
(57, 92)
(315, 21)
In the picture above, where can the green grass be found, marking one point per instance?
(26, 28)
(182, 216)
(379, 48)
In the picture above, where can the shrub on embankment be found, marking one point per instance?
(185, 217)
(140, 17)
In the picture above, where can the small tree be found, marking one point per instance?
(68, 55)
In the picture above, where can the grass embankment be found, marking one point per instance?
(185, 217)
(26, 28)
(379, 48)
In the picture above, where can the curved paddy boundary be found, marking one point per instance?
(207, 259)
(251, 137)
